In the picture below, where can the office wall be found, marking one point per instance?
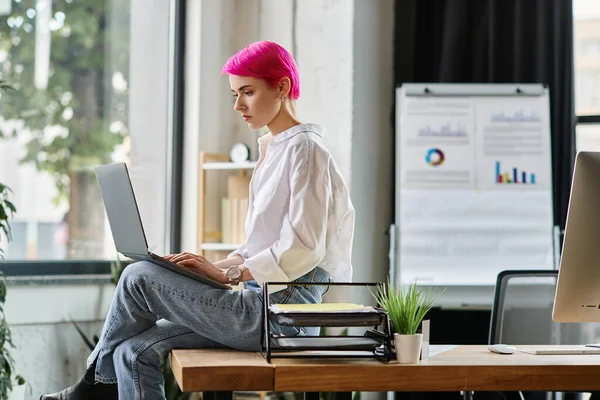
(49, 353)
(372, 139)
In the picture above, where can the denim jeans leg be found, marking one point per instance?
(138, 360)
(147, 292)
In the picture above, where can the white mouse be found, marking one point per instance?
(502, 349)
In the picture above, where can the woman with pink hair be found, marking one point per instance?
(299, 228)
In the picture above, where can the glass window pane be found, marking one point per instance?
(587, 137)
(69, 61)
(586, 27)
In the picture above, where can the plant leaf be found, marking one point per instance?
(406, 305)
(87, 341)
(10, 206)
(4, 85)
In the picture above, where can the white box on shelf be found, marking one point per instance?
(229, 165)
(220, 246)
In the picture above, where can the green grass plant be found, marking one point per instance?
(406, 305)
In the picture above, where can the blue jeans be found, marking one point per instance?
(155, 310)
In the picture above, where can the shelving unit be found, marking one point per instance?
(211, 162)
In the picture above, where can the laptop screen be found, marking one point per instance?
(121, 209)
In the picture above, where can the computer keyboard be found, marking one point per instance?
(561, 350)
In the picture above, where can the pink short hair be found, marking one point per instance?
(268, 61)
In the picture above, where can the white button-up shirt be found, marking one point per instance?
(300, 215)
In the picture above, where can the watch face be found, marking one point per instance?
(239, 152)
(234, 272)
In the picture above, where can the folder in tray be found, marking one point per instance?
(322, 307)
(325, 314)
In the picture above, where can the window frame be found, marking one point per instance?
(68, 267)
(587, 119)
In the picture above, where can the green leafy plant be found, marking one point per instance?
(116, 269)
(7, 209)
(7, 364)
(6, 86)
(406, 306)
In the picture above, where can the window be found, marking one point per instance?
(587, 137)
(72, 64)
(590, 47)
(586, 29)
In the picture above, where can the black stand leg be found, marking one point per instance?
(311, 395)
(217, 395)
(343, 396)
(467, 395)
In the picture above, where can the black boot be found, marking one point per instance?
(86, 389)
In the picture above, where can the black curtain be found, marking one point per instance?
(496, 41)
(493, 41)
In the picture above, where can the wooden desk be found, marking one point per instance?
(468, 368)
(221, 370)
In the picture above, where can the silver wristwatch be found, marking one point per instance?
(234, 274)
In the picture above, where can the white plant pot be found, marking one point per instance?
(408, 348)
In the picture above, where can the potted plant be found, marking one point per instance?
(406, 308)
(7, 210)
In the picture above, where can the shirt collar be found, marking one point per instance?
(291, 132)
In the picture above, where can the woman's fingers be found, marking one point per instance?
(191, 264)
(179, 257)
(189, 256)
(172, 257)
(189, 260)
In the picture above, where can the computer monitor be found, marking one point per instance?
(577, 297)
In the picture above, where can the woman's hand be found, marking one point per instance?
(200, 264)
(221, 264)
(229, 262)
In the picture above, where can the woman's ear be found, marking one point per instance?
(284, 86)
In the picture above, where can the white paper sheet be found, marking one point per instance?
(437, 143)
(513, 142)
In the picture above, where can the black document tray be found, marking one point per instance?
(328, 319)
(375, 343)
(325, 343)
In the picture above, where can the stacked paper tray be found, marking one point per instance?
(327, 314)
(299, 343)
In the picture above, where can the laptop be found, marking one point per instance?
(126, 223)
